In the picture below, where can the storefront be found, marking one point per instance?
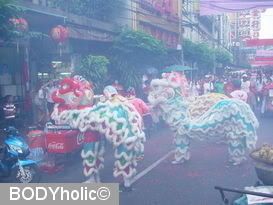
(11, 63)
(14, 75)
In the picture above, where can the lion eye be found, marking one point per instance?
(65, 87)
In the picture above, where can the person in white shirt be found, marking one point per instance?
(245, 86)
(208, 86)
(194, 88)
(260, 82)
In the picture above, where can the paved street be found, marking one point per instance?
(190, 184)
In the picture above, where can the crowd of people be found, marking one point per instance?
(252, 87)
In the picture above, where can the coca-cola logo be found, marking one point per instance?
(80, 138)
(56, 146)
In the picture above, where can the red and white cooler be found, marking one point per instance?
(63, 139)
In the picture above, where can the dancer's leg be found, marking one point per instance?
(92, 155)
(237, 150)
(125, 164)
(181, 149)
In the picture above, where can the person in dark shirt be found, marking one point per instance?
(219, 86)
(9, 111)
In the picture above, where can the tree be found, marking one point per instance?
(200, 53)
(206, 56)
(189, 50)
(7, 12)
(138, 48)
(94, 69)
(223, 56)
(132, 52)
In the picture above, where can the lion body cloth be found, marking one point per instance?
(113, 120)
(210, 116)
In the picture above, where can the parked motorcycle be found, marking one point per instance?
(14, 164)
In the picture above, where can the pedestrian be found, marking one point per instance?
(110, 93)
(238, 93)
(194, 89)
(200, 87)
(228, 86)
(50, 89)
(118, 87)
(208, 85)
(259, 87)
(9, 109)
(219, 86)
(146, 89)
(266, 95)
(245, 83)
(41, 102)
(138, 103)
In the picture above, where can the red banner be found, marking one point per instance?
(263, 58)
(261, 63)
(259, 42)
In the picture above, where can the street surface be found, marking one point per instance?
(161, 183)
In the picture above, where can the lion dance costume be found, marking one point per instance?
(209, 116)
(114, 120)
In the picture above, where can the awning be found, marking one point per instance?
(217, 7)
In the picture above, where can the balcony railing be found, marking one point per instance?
(95, 10)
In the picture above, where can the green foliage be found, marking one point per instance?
(132, 52)
(223, 56)
(205, 56)
(199, 53)
(98, 9)
(94, 68)
(127, 74)
(189, 50)
(138, 47)
(7, 11)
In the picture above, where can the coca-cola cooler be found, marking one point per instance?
(63, 139)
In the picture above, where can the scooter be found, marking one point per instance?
(14, 164)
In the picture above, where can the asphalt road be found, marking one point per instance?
(189, 184)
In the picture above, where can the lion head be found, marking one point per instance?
(74, 92)
(162, 90)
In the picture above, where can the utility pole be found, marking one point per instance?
(180, 39)
(134, 7)
(237, 44)
(213, 45)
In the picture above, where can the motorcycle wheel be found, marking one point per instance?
(32, 175)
